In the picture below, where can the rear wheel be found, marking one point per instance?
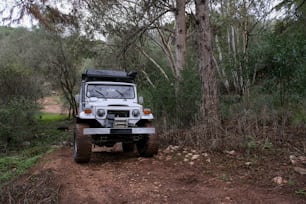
(149, 144)
(82, 144)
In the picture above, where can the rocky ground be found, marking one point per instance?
(175, 175)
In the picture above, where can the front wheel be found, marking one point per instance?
(82, 144)
(148, 145)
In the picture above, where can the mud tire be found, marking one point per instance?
(128, 147)
(82, 144)
(148, 146)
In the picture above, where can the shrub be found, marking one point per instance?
(19, 92)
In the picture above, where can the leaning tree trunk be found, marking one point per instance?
(210, 100)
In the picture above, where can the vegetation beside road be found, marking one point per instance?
(17, 159)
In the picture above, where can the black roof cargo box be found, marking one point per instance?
(108, 75)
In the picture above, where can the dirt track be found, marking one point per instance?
(116, 177)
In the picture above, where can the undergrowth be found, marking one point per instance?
(17, 159)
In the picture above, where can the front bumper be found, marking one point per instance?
(121, 131)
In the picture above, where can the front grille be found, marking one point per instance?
(119, 113)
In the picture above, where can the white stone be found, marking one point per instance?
(279, 180)
(194, 157)
(205, 154)
(189, 155)
(167, 150)
(293, 159)
(230, 152)
(248, 163)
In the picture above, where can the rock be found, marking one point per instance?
(186, 160)
(302, 159)
(175, 147)
(167, 150)
(194, 151)
(228, 198)
(189, 155)
(230, 152)
(205, 154)
(191, 163)
(179, 154)
(293, 159)
(300, 170)
(208, 160)
(248, 163)
(279, 180)
(194, 157)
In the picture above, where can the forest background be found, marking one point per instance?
(256, 52)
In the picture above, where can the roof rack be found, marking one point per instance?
(109, 75)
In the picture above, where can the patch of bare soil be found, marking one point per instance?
(52, 104)
(117, 177)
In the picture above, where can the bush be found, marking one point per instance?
(16, 122)
(19, 92)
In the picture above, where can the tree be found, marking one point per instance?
(180, 40)
(210, 98)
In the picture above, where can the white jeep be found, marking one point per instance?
(110, 112)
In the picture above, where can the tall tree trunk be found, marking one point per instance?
(180, 34)
(210, 99)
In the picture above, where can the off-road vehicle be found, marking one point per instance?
(111, 112)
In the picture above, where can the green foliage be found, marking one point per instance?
(12, 166)
(17, 106)
(44, 135)
(17, 121)
(301, 192)
(189, 98)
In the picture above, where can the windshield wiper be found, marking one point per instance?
(121, 94)
(99, 92)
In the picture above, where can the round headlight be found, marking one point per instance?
(101, 112)
(135, 112)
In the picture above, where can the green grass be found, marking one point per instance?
(12, 166)
(45, 134)
(52, 117)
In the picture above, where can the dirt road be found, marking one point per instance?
(116, 177)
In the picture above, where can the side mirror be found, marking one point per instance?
(140, 100)
(77, 98)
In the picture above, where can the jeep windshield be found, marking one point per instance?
(110, 91)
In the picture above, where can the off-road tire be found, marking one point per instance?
(149, 144)
(127, 147)
(82, 144)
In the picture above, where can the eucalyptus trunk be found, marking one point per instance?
(210, 100)
(180, 35)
